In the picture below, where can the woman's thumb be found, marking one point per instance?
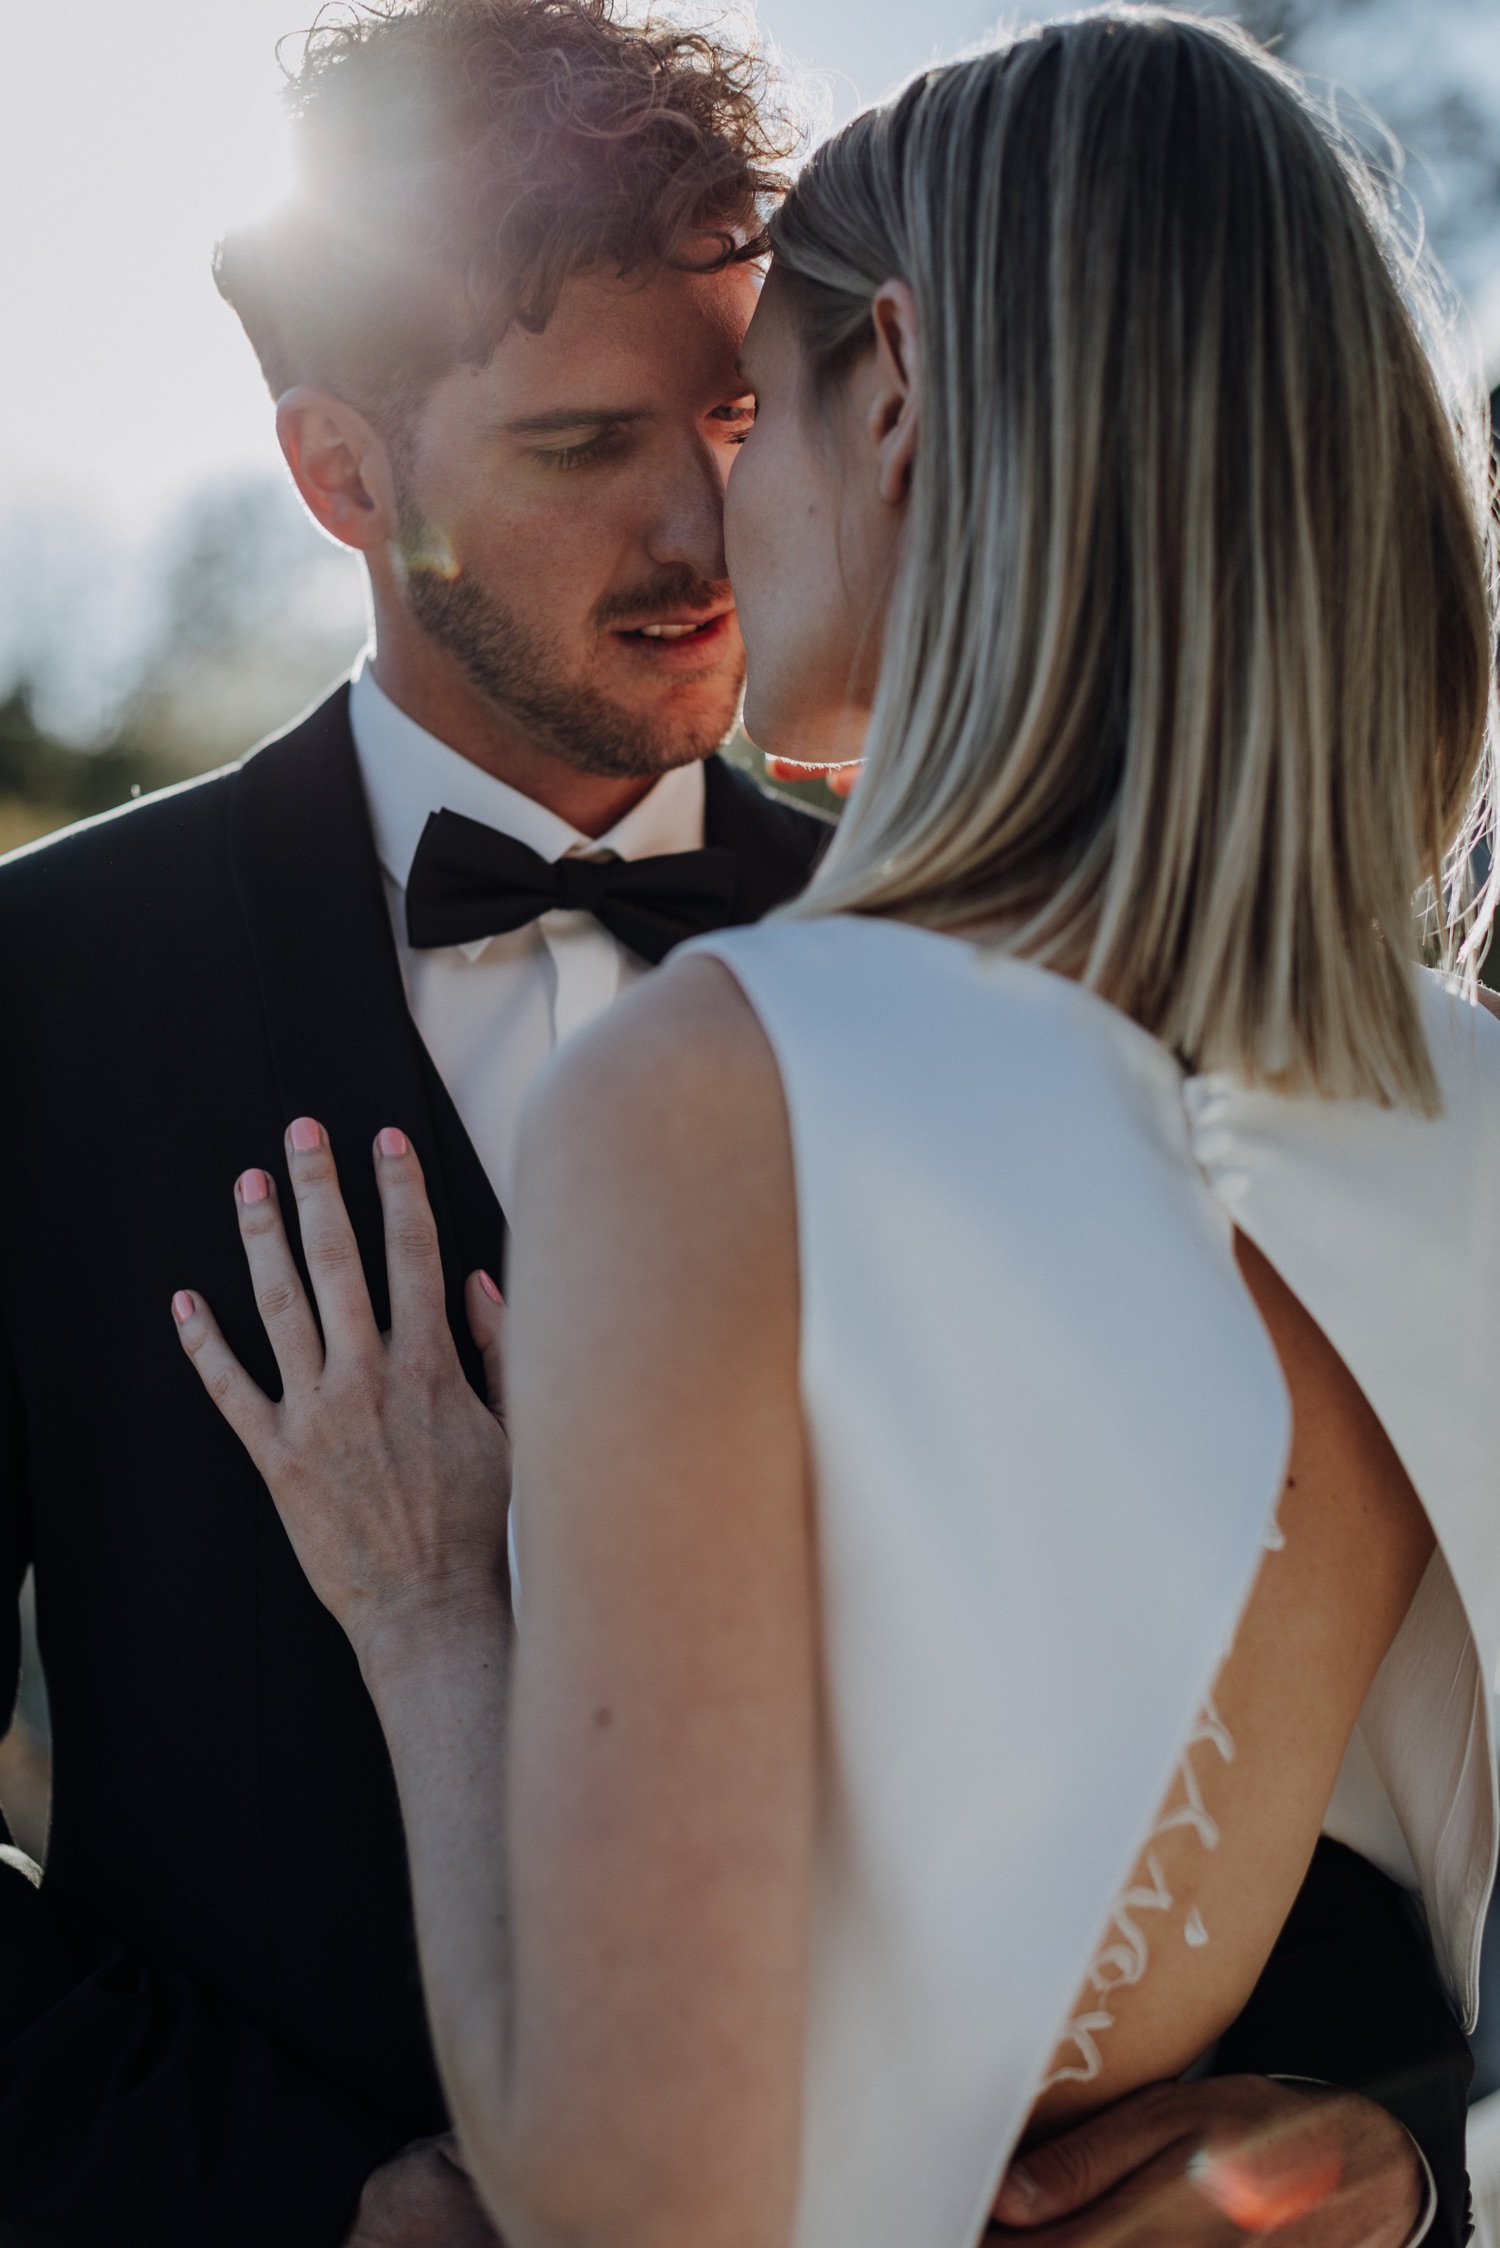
(486, 1309)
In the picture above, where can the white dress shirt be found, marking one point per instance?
(491, 1012)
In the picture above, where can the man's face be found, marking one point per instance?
(562, 521)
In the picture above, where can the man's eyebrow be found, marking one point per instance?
(570, 417)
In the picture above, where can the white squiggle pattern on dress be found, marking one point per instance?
(1123, 1957)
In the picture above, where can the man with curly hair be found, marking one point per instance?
(500, 317)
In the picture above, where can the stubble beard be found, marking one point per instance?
(523, 676)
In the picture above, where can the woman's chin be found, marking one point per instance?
(799, 737)
(761, 722)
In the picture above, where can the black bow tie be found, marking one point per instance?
(469, 881)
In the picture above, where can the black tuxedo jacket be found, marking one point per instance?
(211, 2027)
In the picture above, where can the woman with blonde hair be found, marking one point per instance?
(998, 1372)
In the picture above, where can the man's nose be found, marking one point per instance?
(687, 525)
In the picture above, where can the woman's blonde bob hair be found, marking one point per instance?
(1187, 674)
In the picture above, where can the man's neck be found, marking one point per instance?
(430, 691)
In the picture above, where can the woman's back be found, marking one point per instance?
(1048, 1436)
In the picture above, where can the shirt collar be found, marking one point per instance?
(409, 774)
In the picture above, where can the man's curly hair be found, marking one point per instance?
(457, 160)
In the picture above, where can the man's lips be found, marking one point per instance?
(678, 641)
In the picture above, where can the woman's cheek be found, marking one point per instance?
(742, 511)
(777, 549)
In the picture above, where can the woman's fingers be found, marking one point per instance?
(486, 1309)
(328, 1242)
(414, 1270)
(285, 1312)
(387, 1472)
(247, 1409)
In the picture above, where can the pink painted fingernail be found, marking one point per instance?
(490, 1289)
(253, 1186)
(390, 1141)
(182, 1307)
(1019, 2187)
(306, 1134)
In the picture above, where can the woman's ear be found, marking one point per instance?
(894, 406)
(339, 465)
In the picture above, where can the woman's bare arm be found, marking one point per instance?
(662, 1780)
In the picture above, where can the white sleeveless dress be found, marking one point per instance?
(1049, 1433)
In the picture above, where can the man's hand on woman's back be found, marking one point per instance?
(1216, 2161)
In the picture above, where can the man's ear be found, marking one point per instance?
(340, 466)
(894, 406)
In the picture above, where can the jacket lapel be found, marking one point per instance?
(345, 1047)
(776, 843)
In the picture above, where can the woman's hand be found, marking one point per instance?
(391, 1476)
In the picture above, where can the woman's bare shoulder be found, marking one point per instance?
(665, 1098)
(683, 1047)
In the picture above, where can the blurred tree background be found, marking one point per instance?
(1429, 71)
(131, 661)
(129, 671)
